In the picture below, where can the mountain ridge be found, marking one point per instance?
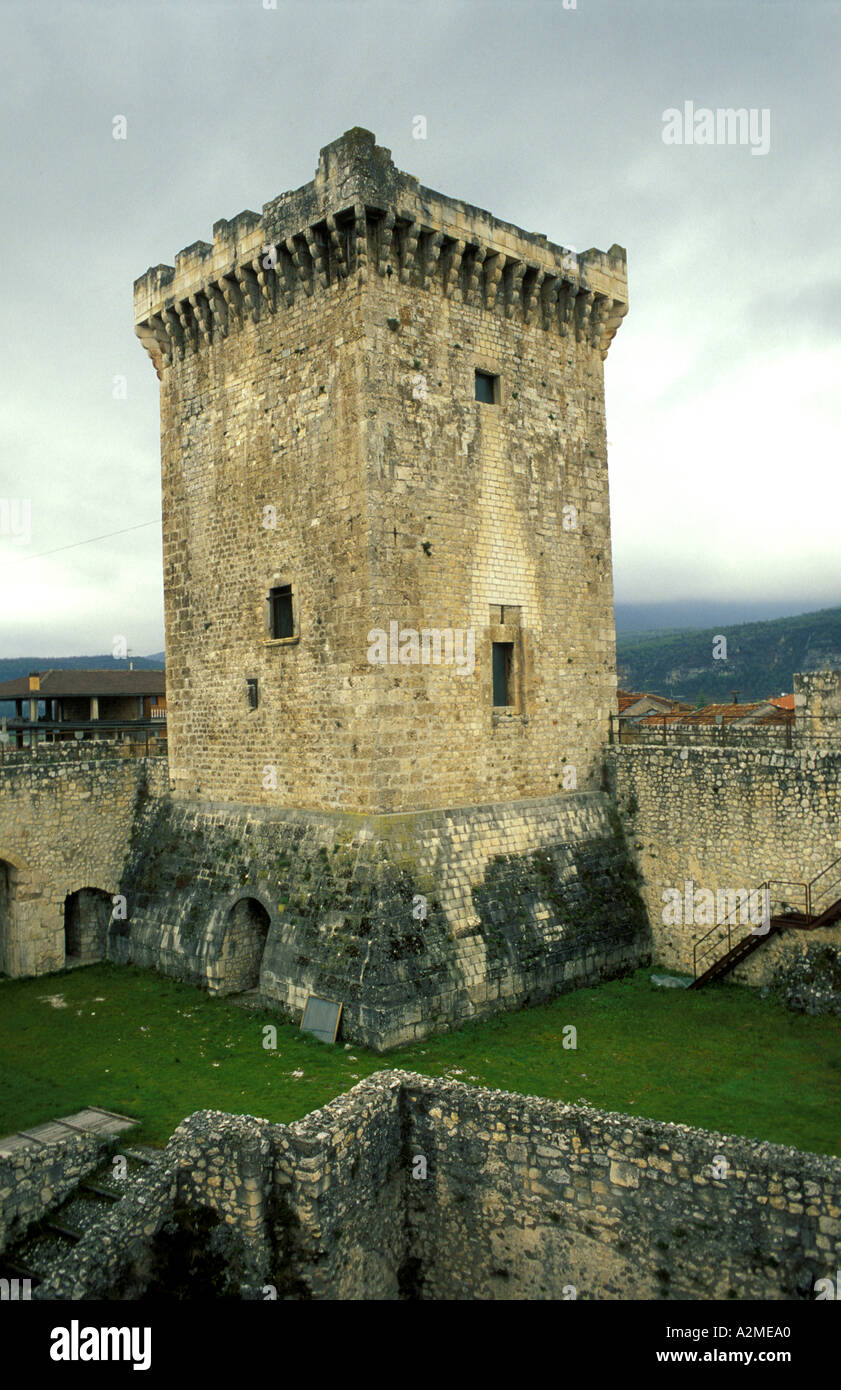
(761, 657)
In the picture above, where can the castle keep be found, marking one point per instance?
(382, 410)
(389, 608)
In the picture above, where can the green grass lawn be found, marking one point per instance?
(143, 1045)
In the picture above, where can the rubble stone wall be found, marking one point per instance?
(419, 1188)
(728, 818)
(65, 824)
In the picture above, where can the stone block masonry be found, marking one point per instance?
(382, 410)
(516, 1198)
(322, 442)
(415, 922)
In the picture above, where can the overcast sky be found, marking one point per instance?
(723, 401)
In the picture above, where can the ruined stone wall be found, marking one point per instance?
(529, 1198)
(320, 429)
(65, 823)
(414, 922)
(36, 1178)
(728, 819)
(515, 1198)
(309, 1210)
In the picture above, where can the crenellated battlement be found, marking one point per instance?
(361, 216)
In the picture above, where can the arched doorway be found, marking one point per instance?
(6, 900)
(243, 944)
(86, 917)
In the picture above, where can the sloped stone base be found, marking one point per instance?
(414, 922)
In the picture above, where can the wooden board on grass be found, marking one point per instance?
(321, 1018)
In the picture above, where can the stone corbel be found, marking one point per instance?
(433, 241)
(494, 266)
(612, 322)
(549, 292)
(409, 249)
(202, 315)
(337, 242)
(567, 307)
(233, 298)
(514, 289)
(318, 253)
(531, 293)
(583, 310)
(386, 243)
(455, 255)
(155, 342)
(601, 309)
(360, 228)
(266, 276)
(247, 282)
(472, 290)
(218, 309)
(189, 326)
(302, 261)
(287, 275)
(174, 331)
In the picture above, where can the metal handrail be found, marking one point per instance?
(670, 731)
(835, 864)
(807, 889)
(766, 884)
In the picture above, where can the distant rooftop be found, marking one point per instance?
(64, 684)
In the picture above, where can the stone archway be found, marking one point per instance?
(28, 941)
(7, 898)
(243, 944)
(87, 913)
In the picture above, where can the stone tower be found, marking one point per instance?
(382, 411)
(389, 609)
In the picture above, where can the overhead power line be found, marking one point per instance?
(107, 536)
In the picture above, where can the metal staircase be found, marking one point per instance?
(786, 903)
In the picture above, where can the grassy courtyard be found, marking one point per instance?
(135, 1042)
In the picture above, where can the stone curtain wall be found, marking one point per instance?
(521, 1199)
(84, 751)
(320, 430)
(727, 819)
(762, 736)
(35, 1178)
(414, 922)
(65, 825)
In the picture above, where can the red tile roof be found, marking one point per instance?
(724, 714)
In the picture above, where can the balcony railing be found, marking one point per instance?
(807, 731)
(23, 740)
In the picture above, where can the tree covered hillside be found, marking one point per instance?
(761, 658)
